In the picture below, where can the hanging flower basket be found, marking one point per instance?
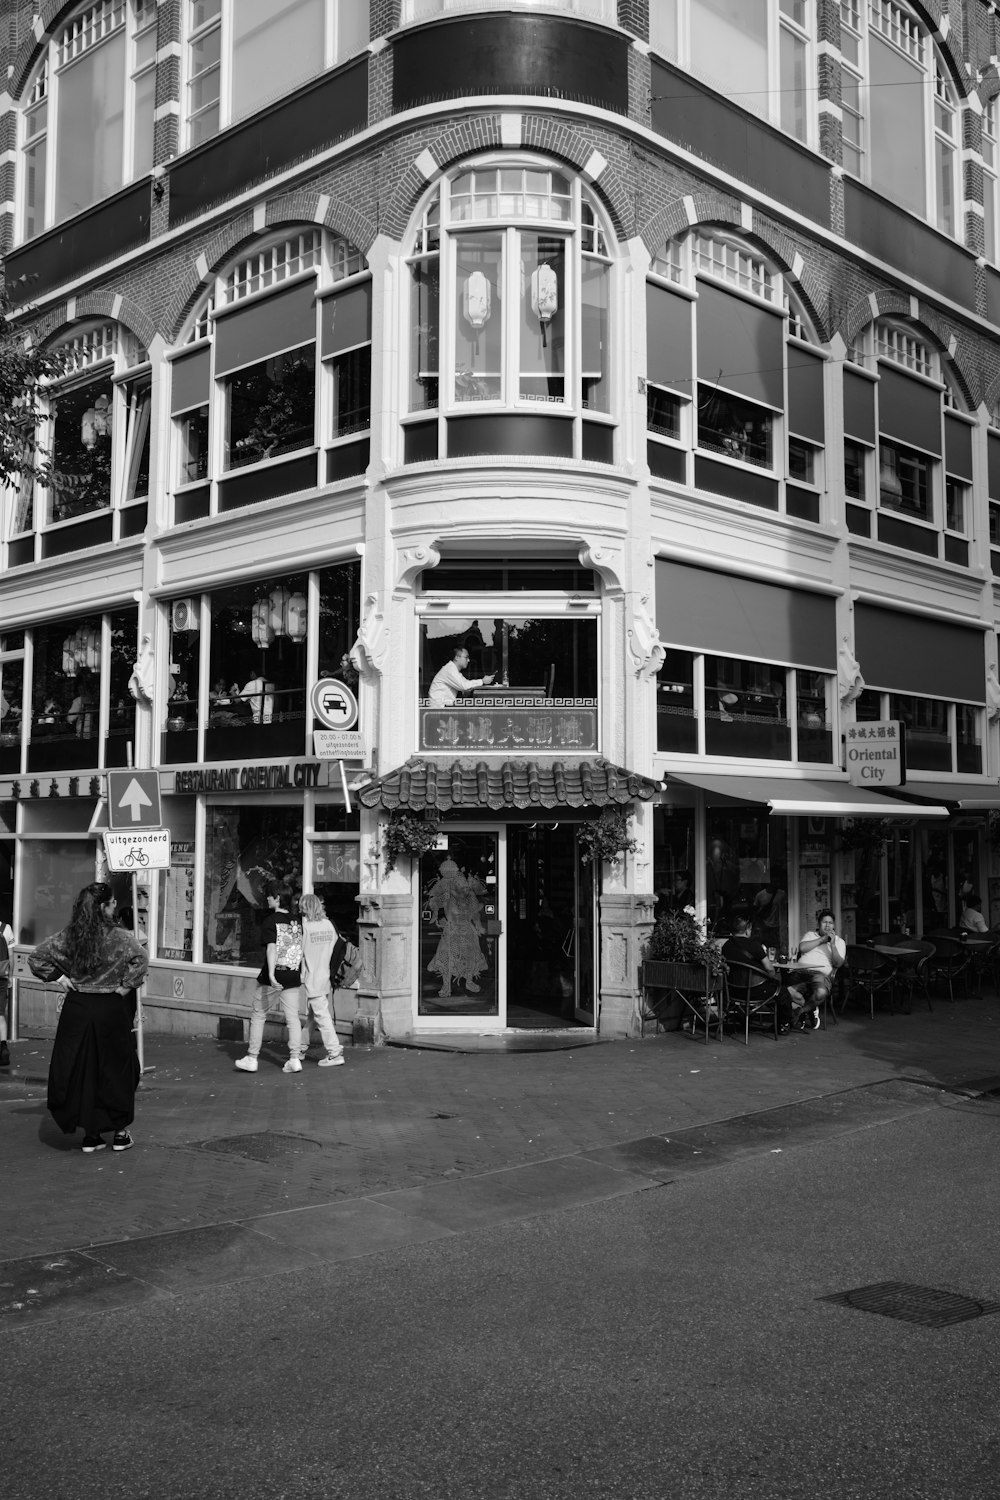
(608, 837)
(406, 835)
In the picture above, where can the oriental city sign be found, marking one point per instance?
(292, 775)
(875, 753)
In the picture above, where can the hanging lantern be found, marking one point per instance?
(69, 656)
(89, 653)
(102, 415)
(295, 618)
(476, 300)
(544, 296)
(277, 603)
(260, 623)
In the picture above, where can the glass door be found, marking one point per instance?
(461, 983)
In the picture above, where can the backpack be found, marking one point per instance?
(4, 958)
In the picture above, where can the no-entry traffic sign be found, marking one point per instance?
(134, 799)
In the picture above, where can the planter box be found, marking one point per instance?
(664, 985)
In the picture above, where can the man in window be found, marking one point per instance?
(449, 682)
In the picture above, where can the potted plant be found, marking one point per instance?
(407, 835)
(678, 961)
(607, 837)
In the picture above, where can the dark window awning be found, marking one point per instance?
(813, 798)
(970, 796)
(468, 785)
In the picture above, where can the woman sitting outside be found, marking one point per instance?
(821, 953)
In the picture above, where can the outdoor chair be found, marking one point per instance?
(753, 996)
(871, 975)
(690, 989)
(950, 963)
(913, 970)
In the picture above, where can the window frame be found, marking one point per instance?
(139, 18)
(433, 246)
(98, 352)
(334, 52)
(739, 267)
(794, 692)
(273, 265)
(941, 102)
(671, 26)
(888, 706)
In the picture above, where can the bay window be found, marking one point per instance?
(242, 53)
(87, 124)
(902, 131)
(524, 325)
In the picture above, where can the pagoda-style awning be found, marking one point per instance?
(468, 785)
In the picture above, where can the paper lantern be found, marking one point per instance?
(295, 617)
(544, 294)
(277, 603)
(260, 623)
(477, 300)
(69, 657)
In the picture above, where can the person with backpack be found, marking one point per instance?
(279, 981)
(322, 952)
(6, 942)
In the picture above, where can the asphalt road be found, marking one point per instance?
(668, 1343)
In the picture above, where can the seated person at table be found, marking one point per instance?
(449, 682)
(743, 948)
(821, 953)
(972, 919)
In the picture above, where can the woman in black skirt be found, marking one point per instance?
(94, 1071)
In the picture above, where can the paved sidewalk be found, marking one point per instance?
(216, 1147)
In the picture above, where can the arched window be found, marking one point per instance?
(510, 311)
(87, 120)
(758, 52)
(271, 388)
(240, 54)
(901, 121)
(734, 377)
(908, 444)
(96, 434)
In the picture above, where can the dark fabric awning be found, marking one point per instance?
(807, 798)
(970, 796)
(466, 785)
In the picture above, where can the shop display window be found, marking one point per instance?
(335, 860)
(747, 868)
(52, 871)
(246, 845)
(175, 906)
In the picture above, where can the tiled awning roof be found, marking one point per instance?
(460, 785)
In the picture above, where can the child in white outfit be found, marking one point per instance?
(319, 937)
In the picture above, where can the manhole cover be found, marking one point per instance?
(914, 1304)
(266, 1145)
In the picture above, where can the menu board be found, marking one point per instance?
(177, 904)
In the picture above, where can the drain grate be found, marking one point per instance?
(914, 1304)
(266, 1145)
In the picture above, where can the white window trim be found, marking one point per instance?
(46, 79)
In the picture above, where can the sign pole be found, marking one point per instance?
(343, 782)
(140, 1044)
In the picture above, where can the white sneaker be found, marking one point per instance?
(332, 1062)
(246, 1064)
(292, 1066)
(814, 1022)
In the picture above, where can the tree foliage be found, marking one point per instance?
(24, 366)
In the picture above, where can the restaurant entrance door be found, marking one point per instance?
(550, 928)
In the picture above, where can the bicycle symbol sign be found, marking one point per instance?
(148, 849)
